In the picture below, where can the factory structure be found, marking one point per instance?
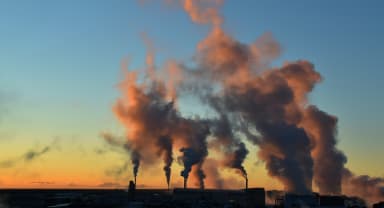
(184, 197)
(244, 198)
(178, 197)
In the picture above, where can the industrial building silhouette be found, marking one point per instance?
(178, 197)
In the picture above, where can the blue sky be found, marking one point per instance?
(60, 61)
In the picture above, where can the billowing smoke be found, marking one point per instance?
(149, 118)
(195, 150)
(248, 99)
(189, 158)
(153, 123)
(368, 188)
(263, 102)
(328, 160)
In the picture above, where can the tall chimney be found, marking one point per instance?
(246, 183)
(131, 190)
(135, 182)
(185, 183)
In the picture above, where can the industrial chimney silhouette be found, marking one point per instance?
(185, 183)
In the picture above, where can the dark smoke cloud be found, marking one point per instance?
(328, 160)
(195, 133)
(189, 158)
(240, 154)
(285, 150)
(262, 102)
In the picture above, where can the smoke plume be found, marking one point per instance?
(188, 158)
(143, 108)
(196, 150)
(153, 123)
(203, 11)
(29, 156)
(368, 188)
(238, 159)
(118, 171)
(165, 144)
(328, 160)
(249, 99)
(234, 150)
(214, 179)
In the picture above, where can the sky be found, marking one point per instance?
(60, 64)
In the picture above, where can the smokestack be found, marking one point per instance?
(135, 182)
(131, 190)
(185, 183)
(246, 183)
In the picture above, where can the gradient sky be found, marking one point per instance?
(60, 64)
